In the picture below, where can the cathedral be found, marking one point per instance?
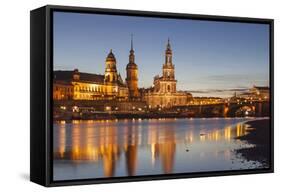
(76, 85)
(164, 92)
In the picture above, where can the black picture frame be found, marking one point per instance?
(41, 69)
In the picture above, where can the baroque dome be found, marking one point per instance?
(110, 56)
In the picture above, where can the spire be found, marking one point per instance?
(168, 44)
(168, 53)
(132, 42)
(132, 55)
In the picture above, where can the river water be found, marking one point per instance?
(96, 149)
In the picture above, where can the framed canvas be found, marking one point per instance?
(122, 95)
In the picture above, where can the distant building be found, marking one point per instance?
(205, 100)
(164, 91)
(255, 93)
(261, 92)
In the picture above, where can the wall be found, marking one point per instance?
(14, 97)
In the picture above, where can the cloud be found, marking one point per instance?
(239, 89)
(230, 78)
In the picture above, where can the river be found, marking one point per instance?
(97, 149)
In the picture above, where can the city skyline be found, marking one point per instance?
(200, 68)
(135, 96)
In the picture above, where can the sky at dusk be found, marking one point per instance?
(210, 58)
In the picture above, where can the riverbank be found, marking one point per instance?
(121, 115)
(259, 136)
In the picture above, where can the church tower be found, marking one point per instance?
(110, 75)
(168, 67)
(132, 74)
(169, 82)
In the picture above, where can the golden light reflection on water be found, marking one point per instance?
(62, 139)
(106, 144)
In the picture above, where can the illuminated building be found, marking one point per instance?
(205, 100)
(132, 75)
(86, 86)
(260, 92)
(62, 90)
(255, 93)
(164, 93)
(76, 85)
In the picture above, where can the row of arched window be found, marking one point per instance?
(88, 89)
(63, 89)
(175, 101)
(83, 96)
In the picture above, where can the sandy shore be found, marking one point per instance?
(259, 136)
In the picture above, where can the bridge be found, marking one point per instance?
(113, 109)
(229, 109)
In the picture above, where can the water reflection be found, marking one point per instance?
(163, 146)
(110, 144)
(131, 149)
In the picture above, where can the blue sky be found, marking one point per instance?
(210, 58)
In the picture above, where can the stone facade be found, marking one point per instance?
(62, 90)
(86, 86)
(164, 92)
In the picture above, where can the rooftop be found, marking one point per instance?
(67, 76)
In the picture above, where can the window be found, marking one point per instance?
(107, 78)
